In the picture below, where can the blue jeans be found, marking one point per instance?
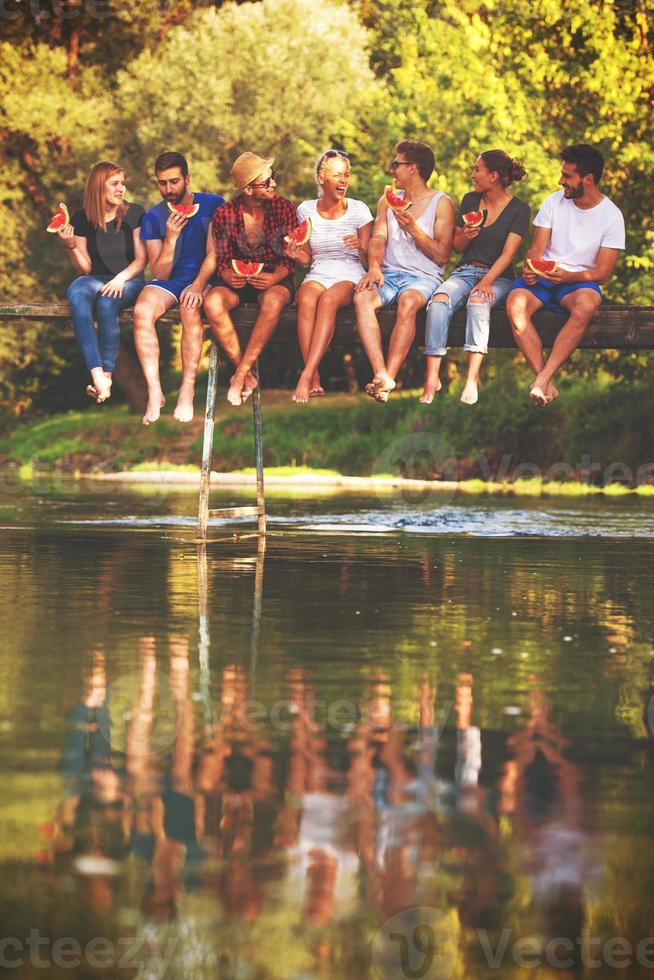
(99, 349)
(439, 314)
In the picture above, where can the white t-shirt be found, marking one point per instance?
(577, 235)
(329, 254)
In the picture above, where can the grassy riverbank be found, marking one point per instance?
(597, 432)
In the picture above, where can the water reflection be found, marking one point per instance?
(256, 803)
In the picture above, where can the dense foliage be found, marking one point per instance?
(83, 81)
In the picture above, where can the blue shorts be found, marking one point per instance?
(396, 283)
(551, 293)
(177, 286)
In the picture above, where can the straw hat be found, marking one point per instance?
(248, 167)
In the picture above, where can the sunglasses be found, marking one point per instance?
(399, 163)
(332, 155)
(268, 181)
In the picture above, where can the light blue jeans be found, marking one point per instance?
(439, 314)
(99, 349)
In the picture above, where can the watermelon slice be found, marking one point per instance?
(394, 201)
(543, 266)
(59, 219)
(299, 235)
(475, 219)
(188, 210)
(243, 268)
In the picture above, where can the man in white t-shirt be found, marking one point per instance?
(583, 231)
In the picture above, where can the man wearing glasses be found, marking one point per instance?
(250, 227)
(406, 258)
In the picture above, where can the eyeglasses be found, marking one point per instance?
(399, 163)
(270, 180)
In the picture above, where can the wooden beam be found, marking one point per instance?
(613, 327)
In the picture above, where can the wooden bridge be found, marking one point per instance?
(612, 328)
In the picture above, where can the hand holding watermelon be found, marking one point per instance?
(544, 268)
(60, 219)
(177, 220)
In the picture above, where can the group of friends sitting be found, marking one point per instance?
(191, 241)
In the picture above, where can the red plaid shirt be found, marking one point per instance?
(231, 241)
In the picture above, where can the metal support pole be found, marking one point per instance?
(258, 453)
(207, 445)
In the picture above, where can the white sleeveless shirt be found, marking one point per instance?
(402, 254)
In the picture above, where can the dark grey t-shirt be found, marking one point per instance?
(110, 251)
(487, 246)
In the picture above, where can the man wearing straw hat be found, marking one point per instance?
(250, 227)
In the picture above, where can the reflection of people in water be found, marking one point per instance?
(473, 857)
(539, 791)
(398, 833)
(316, 823)
(235, 791)
(174, 818)
(87, 835)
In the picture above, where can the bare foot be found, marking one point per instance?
(470, 394)
(316, 390)
(235, 391)
(543, 393)
(380, 383)
(248, 387)
(184, 408)
(383, 390)
(429, 391)
(153, 410)
(100, 390)
(302, 392)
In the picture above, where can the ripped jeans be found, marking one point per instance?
(439, 314)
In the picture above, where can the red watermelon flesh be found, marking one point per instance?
(543, 266)
(188, 210)
(299, 235)
(59, 219)
(475, 219)
(394, 201)
(243, 268)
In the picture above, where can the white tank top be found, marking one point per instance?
(402, 254)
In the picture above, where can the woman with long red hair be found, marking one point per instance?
(104, 246)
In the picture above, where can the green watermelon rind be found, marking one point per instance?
(61, 210)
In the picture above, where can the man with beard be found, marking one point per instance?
(176, 246)
(582, 231)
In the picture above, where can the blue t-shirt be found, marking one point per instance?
(192, 243)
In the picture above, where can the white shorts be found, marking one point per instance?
(335, 272)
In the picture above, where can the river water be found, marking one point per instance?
(413, 738)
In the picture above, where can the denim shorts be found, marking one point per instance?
(551, 293)
(396, 283)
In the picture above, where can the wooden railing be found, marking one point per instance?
(613, 327)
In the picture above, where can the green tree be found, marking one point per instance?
(281, 77)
